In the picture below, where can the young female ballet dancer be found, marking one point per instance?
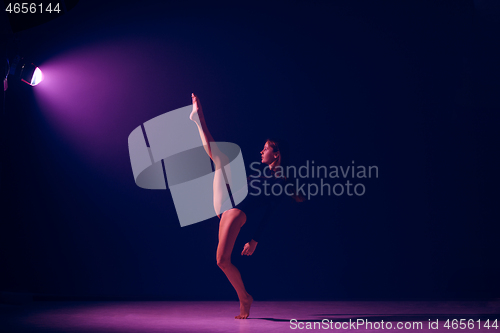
(233, 219)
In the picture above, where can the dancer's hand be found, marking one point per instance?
(249, 248)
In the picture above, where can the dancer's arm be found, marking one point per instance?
(249, 247)
(264, 221)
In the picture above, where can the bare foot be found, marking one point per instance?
(245, 307)
(196, 113)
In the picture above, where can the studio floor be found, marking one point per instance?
(164, 316)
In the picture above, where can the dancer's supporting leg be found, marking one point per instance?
(222, 172)
(230, 224)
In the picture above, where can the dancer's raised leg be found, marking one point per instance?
(230, 224)
(222, 174)
(198, 117)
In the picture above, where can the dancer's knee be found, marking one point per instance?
(223, 263)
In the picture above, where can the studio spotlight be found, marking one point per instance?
(31, 74)
(27, 72)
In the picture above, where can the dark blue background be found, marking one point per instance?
(411, 87)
